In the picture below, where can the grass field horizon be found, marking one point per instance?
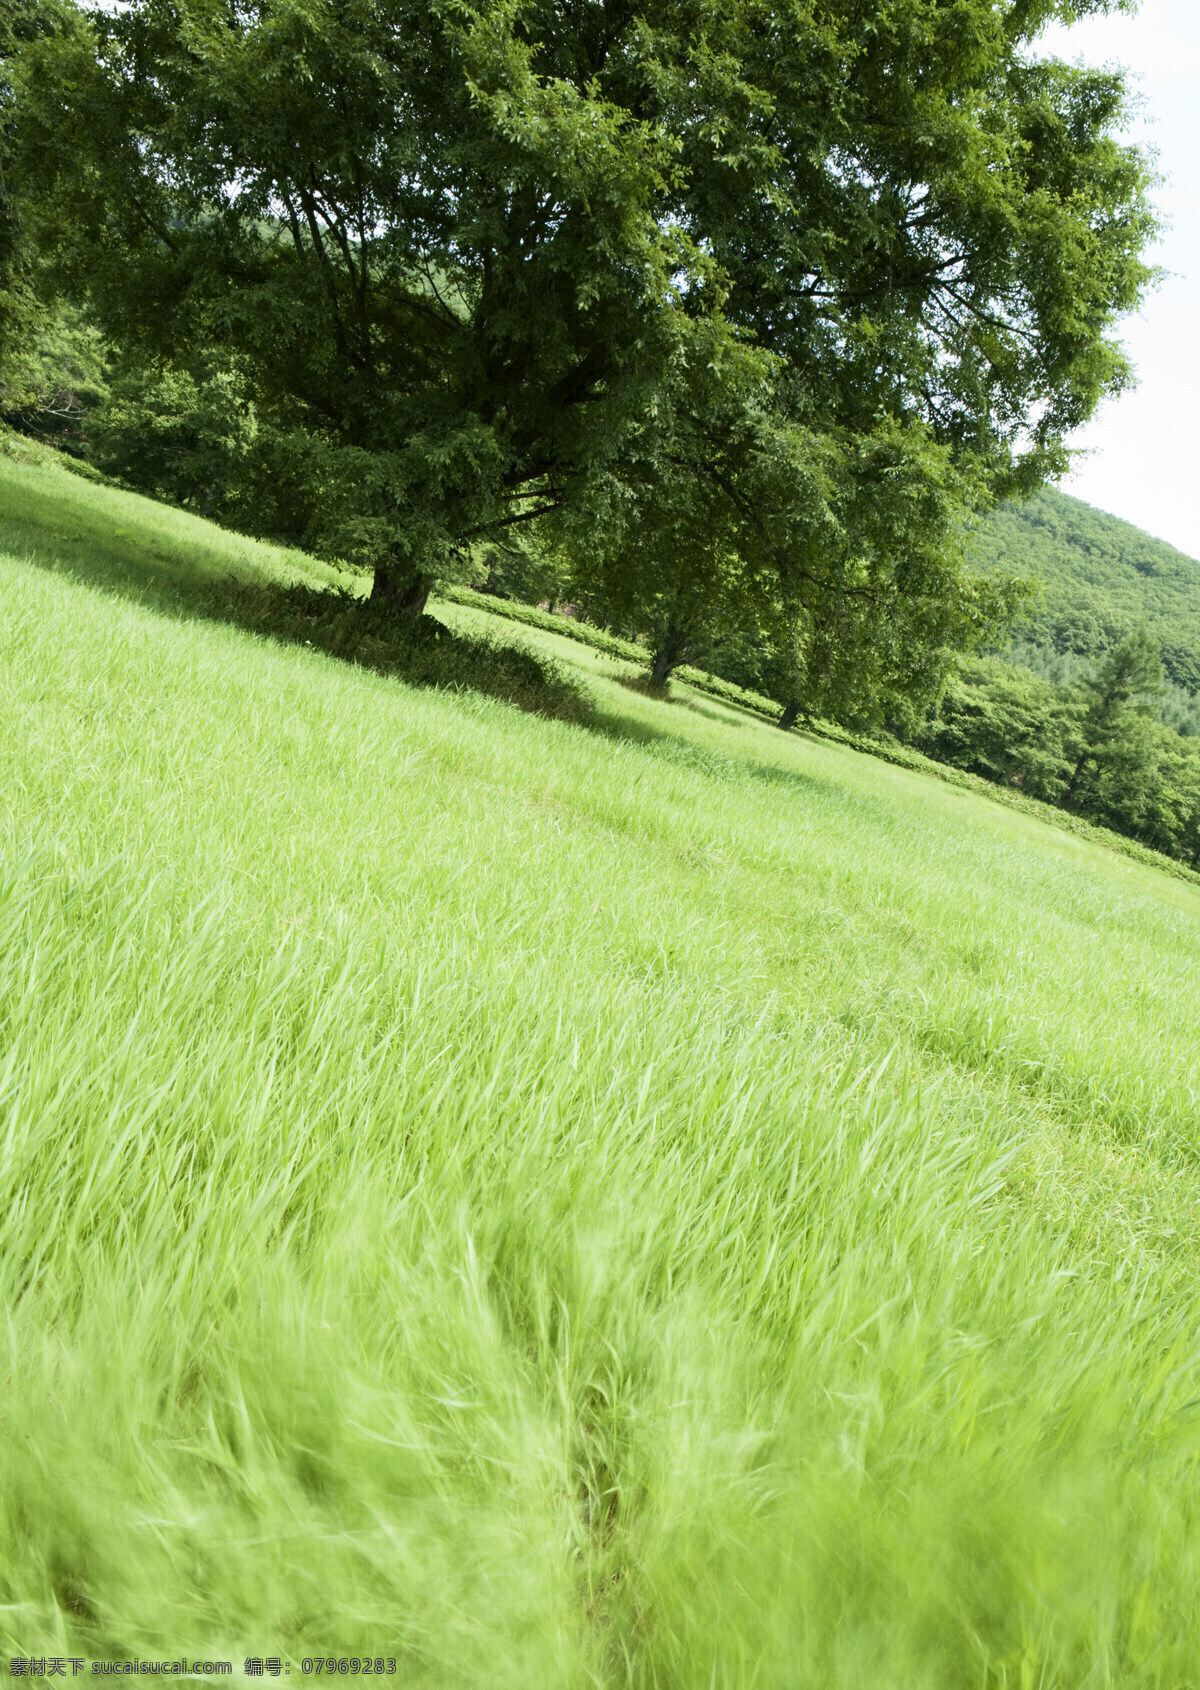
(640, 1201)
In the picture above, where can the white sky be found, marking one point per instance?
(1143, 447)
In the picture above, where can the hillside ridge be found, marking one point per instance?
(1098, 577)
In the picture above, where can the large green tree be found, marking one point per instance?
(465, 255)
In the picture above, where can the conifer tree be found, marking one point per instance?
(1114, 738)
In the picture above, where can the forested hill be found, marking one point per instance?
(1099, 577)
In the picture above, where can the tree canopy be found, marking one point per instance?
(816, 276)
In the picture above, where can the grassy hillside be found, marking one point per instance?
(1100, 577)
(648, 1201)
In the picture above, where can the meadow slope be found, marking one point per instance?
(654, 1202)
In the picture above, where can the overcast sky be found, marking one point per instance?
(1144, 447)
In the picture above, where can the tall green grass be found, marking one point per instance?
(649, 1202)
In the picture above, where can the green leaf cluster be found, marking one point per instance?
(53, 375)
(49, 364)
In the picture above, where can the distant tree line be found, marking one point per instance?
(1096, 746)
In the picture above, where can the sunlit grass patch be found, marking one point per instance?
(646, 1200)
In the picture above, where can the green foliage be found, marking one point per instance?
(1100, 730)
(53, 376)
(1007, 725)
(1114, 729)
(660, 1207)
(1099, 578)
(672, 545)
(1179, 710)
(163, 432)
(1092, 745)
(1176, 707)
(446, 288)
(750, 307)
(919, 215)
(48, 362)
(819, 571)
(521, 571)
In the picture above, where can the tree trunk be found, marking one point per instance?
(668, 653)
(790, 713)
(399, 591)
(1067, 800)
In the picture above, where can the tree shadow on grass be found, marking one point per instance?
(343, 624)
(170, 574)
(676, 749)
(422, 651)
